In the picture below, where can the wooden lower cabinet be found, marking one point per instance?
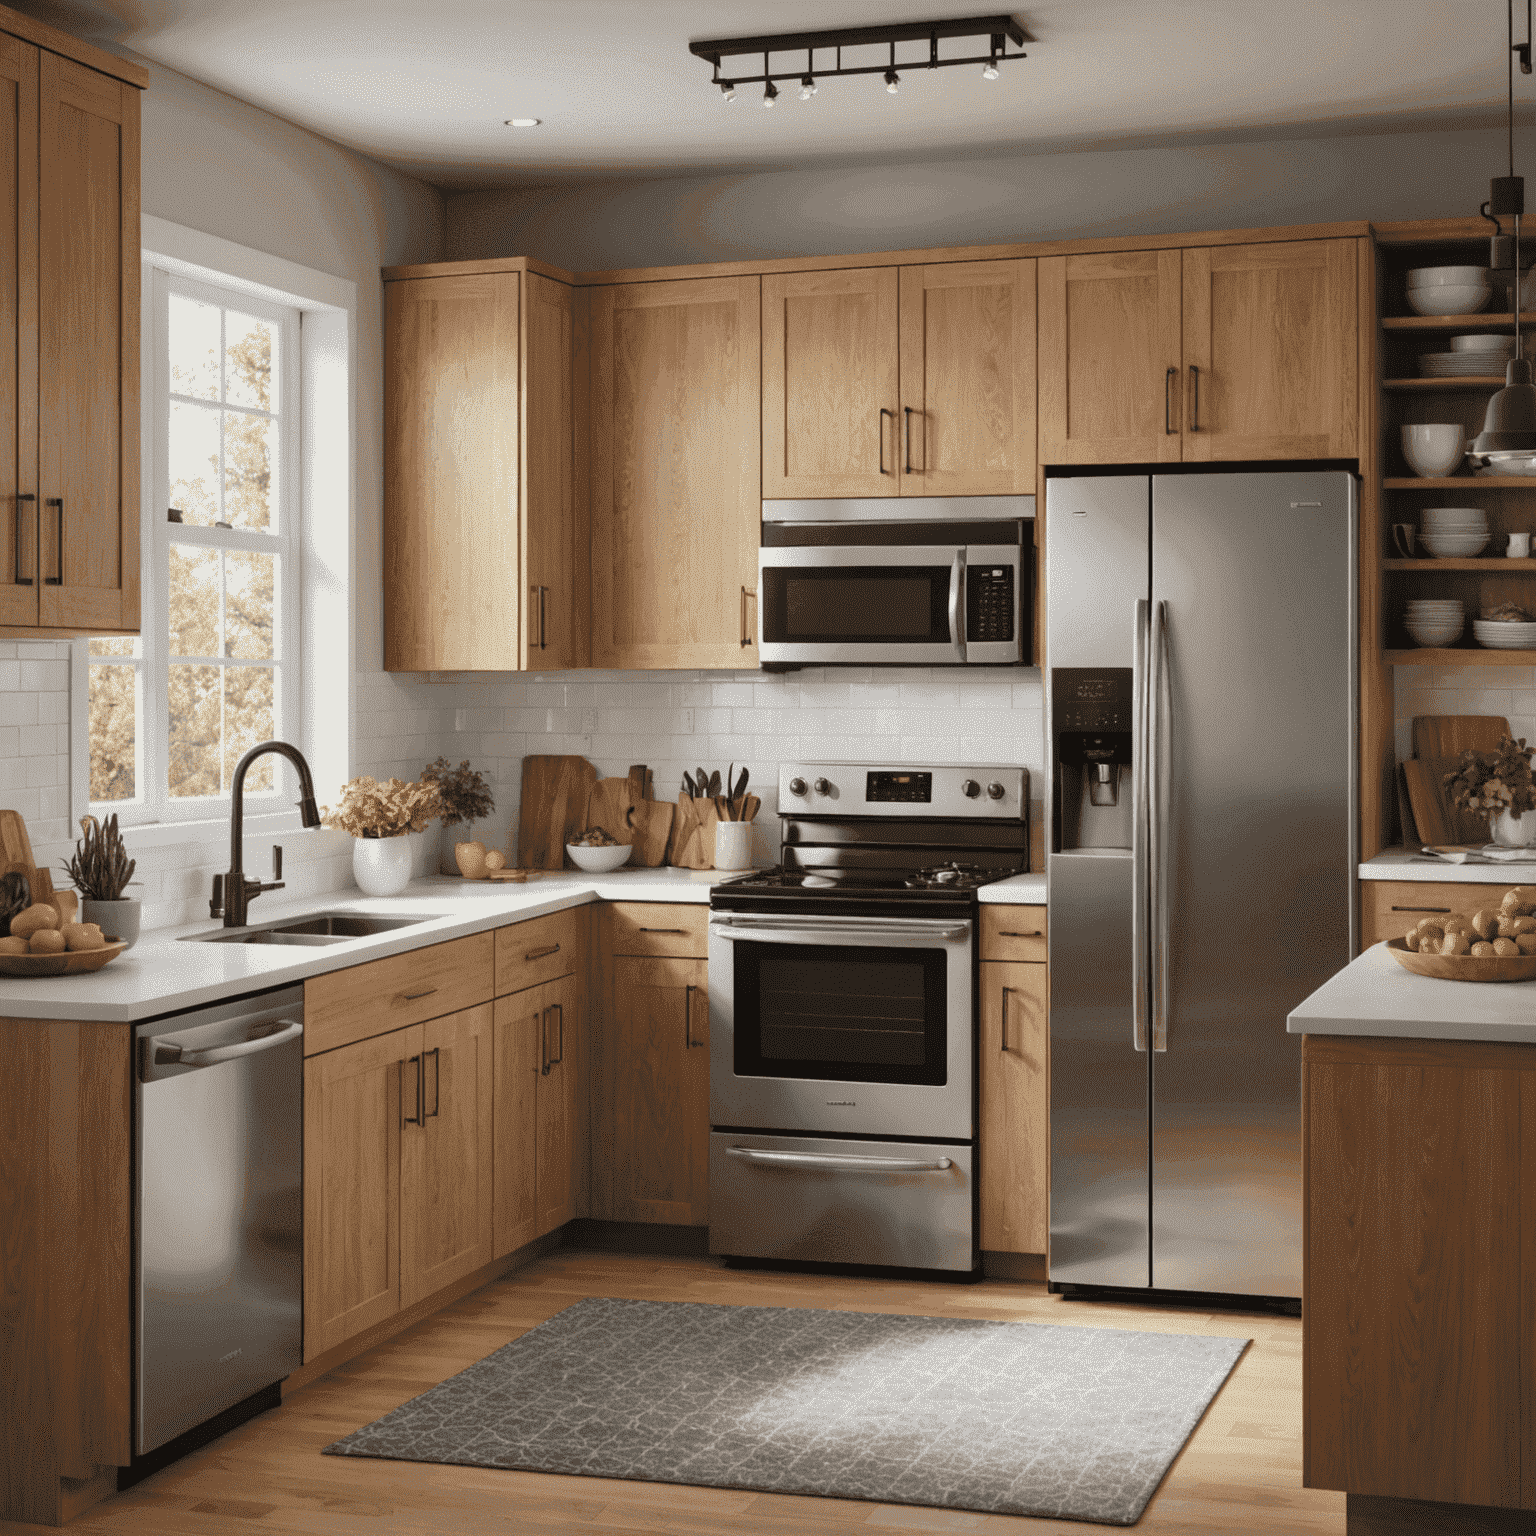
(1389, 908)
(1015, 1139)
(651, 1104)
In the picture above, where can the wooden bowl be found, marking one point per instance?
(1463, 967)
(71, 963)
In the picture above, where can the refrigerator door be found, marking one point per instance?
(1097, 561)
(1253, 580)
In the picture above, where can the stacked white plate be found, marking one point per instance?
(1500, 636)
(1454, 533)
(1434, 621)
(1447, 290)
(1463, 365)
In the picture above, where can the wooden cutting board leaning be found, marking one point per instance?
(1438, 742)
(552, 811)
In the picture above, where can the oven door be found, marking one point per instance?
(840, 1025)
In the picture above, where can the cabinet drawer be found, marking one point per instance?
(539, 950)
(1013, 933)
(1389, 908)
(404, 989)
(656, 928)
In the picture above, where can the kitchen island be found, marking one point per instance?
(1419, 1135)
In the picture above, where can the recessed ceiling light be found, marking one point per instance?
(522, 122)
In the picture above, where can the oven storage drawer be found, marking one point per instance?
(842, 1202)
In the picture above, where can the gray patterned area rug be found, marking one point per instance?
(957, 1413)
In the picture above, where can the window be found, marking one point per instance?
(216, 669)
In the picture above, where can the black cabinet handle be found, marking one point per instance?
(437, 1081)
(664, 930)
(688, 1017)
(541, 954)
(21, 581)
(421, 1103)
(57, 581)
(544, 1062)
(746, 633)
(1194, 419)
(543, 592)
(558, 1009)
(906, 452)
(411, 997)
(1002, 1023)
(1034, 933)
(1168, 400)
(1421, 909)
(883, 414)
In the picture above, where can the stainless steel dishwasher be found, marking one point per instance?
(219, 1275)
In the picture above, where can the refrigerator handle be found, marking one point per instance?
(1140, 832)
(1159, 774)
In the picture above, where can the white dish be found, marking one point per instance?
(1498, 642)
(1527, 471)
(1447, 277)
(1434, 448)
(599, 861)
(1447, 301)
(1450, 519)
(1461, 365)
(1445, 546)
(1483, 341)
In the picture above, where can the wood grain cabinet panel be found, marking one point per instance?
(19, 586)
(968, 379)
(1389, 908)
(518, 1042)
(679, 929)
(1014, 933)
(539, 950)
(676, 491)
(1271, 351)
(1015, 1136)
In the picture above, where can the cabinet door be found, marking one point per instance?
(1271, 350)
(1015, 1133)
(561, 1110)
(676, 482)
(517, 1060)
(451, 598)
(353, 1109)
(830, 384)
(1109, 336)
(445, 1162)
(555, 634)
(88, 345)
(18, 332)
(968, 379)
(652, 1136)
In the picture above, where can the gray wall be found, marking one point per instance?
(982, 200)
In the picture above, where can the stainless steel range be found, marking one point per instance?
(842, 1005)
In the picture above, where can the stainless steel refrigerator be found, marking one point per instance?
(1201, 699)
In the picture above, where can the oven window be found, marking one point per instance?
(841, 1014)
(886, 604)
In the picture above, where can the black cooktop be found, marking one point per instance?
(942, 882)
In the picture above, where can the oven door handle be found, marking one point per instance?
(957, 603)
(842, 1161)
(896, 929)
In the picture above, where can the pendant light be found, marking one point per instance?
(1509, 427)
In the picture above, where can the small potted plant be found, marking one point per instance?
(378, 816)
(466, 798)
(101, 870)
(1501, 784)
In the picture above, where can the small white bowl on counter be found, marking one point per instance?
(599, 861)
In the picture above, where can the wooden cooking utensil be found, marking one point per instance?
(1451, 735)
(15, 845)
(552, 809)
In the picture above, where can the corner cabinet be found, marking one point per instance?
(69, 337)
(482, 548)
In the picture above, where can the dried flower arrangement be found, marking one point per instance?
(464, 793)
(1494, 781)
(391, 809)
(100, 868)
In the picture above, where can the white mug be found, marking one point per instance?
(1519, 546)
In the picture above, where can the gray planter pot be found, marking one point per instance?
(116, 919)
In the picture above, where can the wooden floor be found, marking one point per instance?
(1240, 1472)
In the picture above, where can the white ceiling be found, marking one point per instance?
(426, 86)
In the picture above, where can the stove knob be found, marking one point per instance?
(797, 786)
(823, 787)
(970, 789)
(995, 791)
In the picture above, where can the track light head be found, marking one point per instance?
(770, 94)
(892, 81)
(727, 91)
(989, 69)
(807, 87)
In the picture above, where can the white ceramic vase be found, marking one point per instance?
(733, 845)
(381, 865)
(1511, 829)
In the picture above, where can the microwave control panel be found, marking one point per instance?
(989, 603)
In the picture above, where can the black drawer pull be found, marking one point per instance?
(411, 997)
(1036, 933)
(682, 931)
(1421, 909)
(541, 954)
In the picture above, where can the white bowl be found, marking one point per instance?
(1504, 637)
(1425, 607)
(599, 861)
(1449, 546)
(1485, 341)
(1434, 448)
(1443, 635)
(1447, 301)
(1447, 277)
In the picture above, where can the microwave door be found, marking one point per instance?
(866, 603)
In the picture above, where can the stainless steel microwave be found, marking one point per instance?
(923, 581)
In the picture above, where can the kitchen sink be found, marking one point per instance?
(318, 928)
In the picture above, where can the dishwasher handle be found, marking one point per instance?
(179, 1056)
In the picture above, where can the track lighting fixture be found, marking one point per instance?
(989, 69)
(727, 91)
(807, 87)
(770, 94)
(892, 81)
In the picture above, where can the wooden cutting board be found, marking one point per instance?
(1451, 735)
(693, 833)
(552, 809)
(608, 807)
(650, 824)
(1439, 822)
(15, 845)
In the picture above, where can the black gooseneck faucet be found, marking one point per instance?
(232, 892)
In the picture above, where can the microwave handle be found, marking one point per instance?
(957, 604)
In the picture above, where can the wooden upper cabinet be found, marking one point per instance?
(1110, 358)
(675, 473)
(1271, 351)
(831, 386)
(18, 333)
(968, 379)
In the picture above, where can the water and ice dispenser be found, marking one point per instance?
(1091, 754)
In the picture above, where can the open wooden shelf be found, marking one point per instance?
(1474, 381)
(1490, 565)
(1461, 482)
(1452, 322)
(1459, 656)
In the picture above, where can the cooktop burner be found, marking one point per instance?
(943, 879)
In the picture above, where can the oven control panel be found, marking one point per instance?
(864, 789)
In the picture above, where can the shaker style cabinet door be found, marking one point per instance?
(560, 1160)
(451, 450)
(968, 379)
(1015, 1139)
(1270, 351)
(831, 386)
(1110, 371)
(517, 1062)
(88, 348)
(18, 333)
(675, 473)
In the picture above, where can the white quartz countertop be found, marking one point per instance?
(163, 974)
(1374, 995)
(1410, 864)
(1016, 890)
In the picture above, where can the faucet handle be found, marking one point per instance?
(277, 861)
(216, 901)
